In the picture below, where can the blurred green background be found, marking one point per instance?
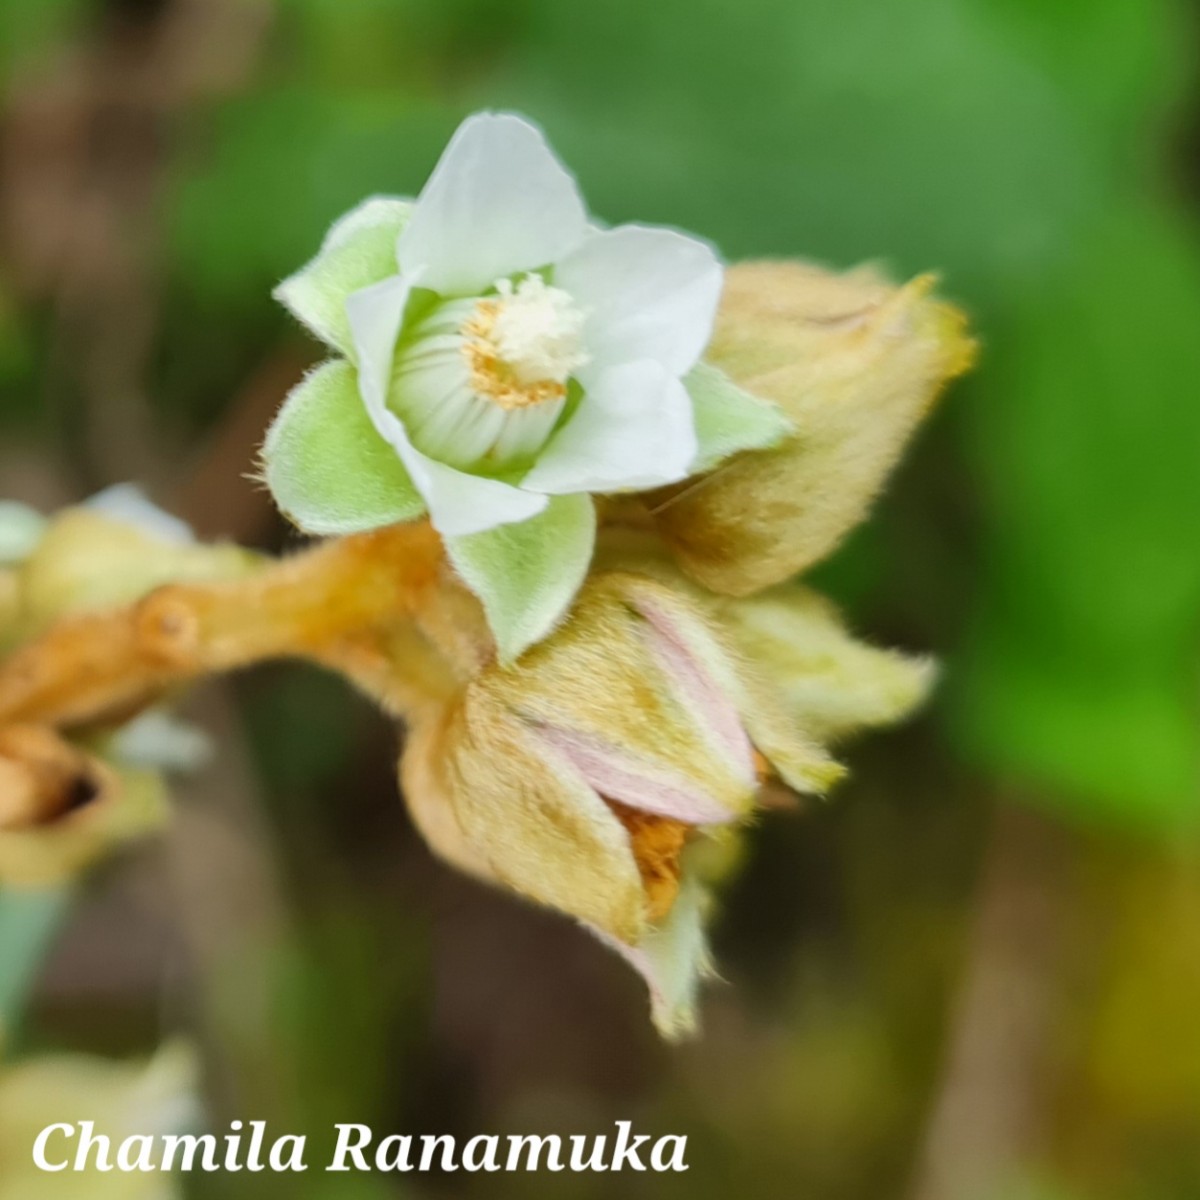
(976, 973)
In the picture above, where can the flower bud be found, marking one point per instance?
(587, 774)
(87, 559)
(856, 364)
(830, 682)
(65, 802)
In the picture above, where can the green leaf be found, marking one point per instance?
(729, 419)
(527, 574)
(360, 249)
(328, 469)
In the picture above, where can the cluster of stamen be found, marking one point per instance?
(522, 344)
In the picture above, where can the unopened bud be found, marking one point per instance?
(856, 364)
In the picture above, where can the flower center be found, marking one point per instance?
(522, 345)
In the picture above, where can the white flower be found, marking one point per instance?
(506, 359)
(532, 307)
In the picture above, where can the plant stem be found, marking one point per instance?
(380, 607)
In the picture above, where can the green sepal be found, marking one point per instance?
(327, 468)
(360, 249)
(728, 419)
(527, 574)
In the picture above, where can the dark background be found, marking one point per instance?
(976, 972)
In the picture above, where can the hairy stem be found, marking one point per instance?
(379, 607)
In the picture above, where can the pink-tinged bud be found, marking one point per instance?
(638, 694)
(508, 809)
(587, 775)
(577, 775)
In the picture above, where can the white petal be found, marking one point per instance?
(498, 202)
(375, 314)
(649, 293)
(633, 429)
(458, 503)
